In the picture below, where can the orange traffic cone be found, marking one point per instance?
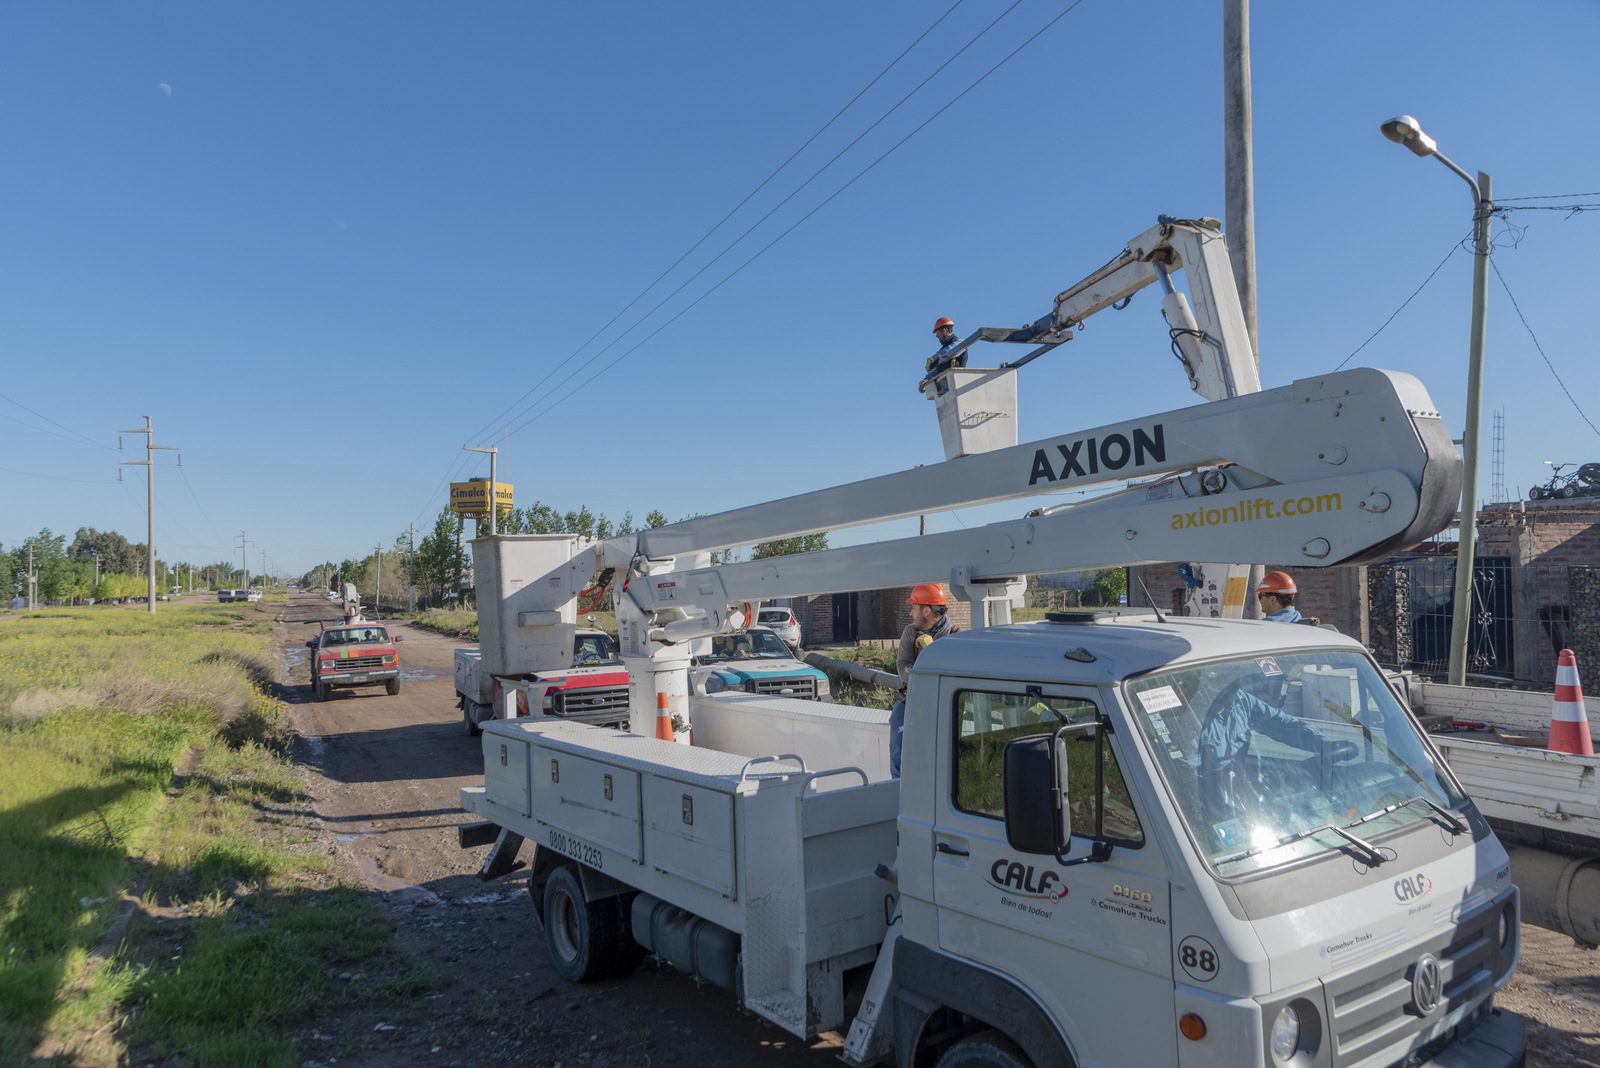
(663, 719)
(1569, 723)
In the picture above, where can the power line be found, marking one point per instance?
(704, 237)
(775, 208)
(60, 478)
(1547, 196)
(1453, 250)
(85, 439)
(1536, 345)
(862, 173)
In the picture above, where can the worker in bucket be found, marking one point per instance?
(929, 622)
(944, 328)
(1276, 596)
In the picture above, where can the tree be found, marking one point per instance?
(805, 543)
(439, 562)
(1110, 584)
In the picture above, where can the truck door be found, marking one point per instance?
(1091, 941)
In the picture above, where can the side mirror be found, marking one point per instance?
(311, 643)
(398, 637)
(1034, 784)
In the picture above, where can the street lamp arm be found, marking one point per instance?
(1477, 194)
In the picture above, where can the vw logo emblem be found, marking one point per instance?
(1426, 984)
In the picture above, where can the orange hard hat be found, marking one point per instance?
(938, 325)
(1277, 582)
(927, 593)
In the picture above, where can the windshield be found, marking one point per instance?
(769, 616)
(589, 650)
(354, 636)
(1263, 755)
(751, 645)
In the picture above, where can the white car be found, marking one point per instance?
(782, 622)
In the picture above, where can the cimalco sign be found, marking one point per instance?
(472, 498)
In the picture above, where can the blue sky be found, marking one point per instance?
(353, 236)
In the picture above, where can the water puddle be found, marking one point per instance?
(419, 674)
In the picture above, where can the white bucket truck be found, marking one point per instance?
(1120, 839)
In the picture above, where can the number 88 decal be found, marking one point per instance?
(1198, 959)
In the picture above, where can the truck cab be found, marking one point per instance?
(354, 655)
(756, 661)
(593, 690)
(1261, 860)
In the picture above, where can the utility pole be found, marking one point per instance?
(244, 561)
(1238, 153)
(411, 569)
(493, 451)
(149, 465)
(33, 580)
(264, 561)
(377, 582)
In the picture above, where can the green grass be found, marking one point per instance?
(98, 710)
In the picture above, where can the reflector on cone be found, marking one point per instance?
(1569, 721)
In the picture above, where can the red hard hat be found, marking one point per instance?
(928, 593)
(939, 324)
(1277, 582)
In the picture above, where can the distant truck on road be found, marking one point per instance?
(353, 655)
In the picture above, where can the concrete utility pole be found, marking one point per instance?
(1405, 130)
(411, 569)
(33, 580)
(377, 584)
(264, 561)
(493, 451)
(1239, 199)
(149, 465)
(244, 561)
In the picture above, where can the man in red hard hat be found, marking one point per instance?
(929, 622)
(1276, 594)
(944, 328)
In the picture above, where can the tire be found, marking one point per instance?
(1536, 494)
(1570, 490)
(324, 693)
(986, 1049)
(473, 730)
(580, 936)
(392, 687)
(629, 951)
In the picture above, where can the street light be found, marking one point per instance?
(1405, 130)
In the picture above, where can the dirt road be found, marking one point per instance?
(385, 774)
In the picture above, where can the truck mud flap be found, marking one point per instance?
(502, 859)
(473, 835)
(928, 980)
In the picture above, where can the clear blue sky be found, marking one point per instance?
(352, 235)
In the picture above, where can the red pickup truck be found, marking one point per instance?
(593, 690)
(351, 655)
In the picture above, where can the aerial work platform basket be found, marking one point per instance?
(977, 408)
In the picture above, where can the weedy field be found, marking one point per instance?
(161, 896)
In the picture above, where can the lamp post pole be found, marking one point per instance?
(493, 452)
(1405, 130)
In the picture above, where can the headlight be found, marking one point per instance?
(822, 687)
(1286, 1033)
(714, 684)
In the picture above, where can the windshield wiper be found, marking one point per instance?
(1456, 823)
(1371, 855)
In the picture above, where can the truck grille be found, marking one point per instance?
(356, 662)
(800, 686)
(602, 705)
(1372, 1004)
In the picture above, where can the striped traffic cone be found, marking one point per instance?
(663, 719)
(1569, 722)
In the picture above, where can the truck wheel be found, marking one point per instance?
(392, 686)
(581, 936)
(324, 692)
(629, 951)
(986, 1049)
(473, 730)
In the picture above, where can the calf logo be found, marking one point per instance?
(1017, 878)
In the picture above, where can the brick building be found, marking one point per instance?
(863, 615)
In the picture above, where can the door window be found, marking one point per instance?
(985, 722)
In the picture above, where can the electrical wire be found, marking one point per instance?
(1547, 196)
(1453, 250)
(859, 175)
(795, 192)
(85, 439)
(200, 506)
(60, 478)
(706, 236)
(1536, 345)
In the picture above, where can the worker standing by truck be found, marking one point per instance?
(929, 622)
(1276, 594)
